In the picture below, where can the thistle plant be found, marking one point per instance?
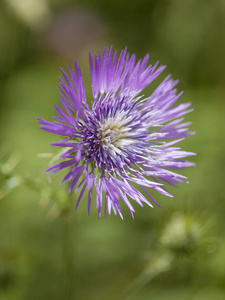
(123, 138)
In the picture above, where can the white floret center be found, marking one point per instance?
(116, 132)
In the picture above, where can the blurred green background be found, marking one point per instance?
(49, 251)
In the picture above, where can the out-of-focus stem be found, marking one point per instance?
(158, 266)
(68, 254)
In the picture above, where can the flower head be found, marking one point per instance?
(123, 138)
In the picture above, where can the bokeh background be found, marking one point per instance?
(50, 251)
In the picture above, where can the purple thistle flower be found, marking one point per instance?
(122, 139)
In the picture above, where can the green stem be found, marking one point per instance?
(160, 265)
(68, 252)
(67, 259)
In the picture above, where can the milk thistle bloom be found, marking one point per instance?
(123, 138)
